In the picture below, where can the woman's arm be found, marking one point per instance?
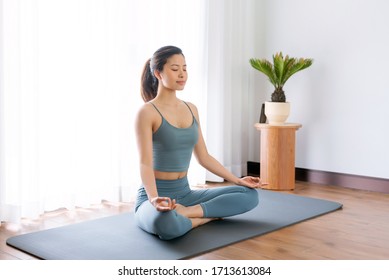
(144, 133)
(214, 166)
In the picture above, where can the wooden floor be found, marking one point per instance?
(359, 231)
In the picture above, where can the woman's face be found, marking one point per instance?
(174, 75)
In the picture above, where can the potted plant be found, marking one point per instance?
(278, 72)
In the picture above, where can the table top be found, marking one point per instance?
(285, 125)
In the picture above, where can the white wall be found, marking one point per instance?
(342, 99)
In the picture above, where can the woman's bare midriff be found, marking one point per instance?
(161, 175)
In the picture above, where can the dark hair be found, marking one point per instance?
(149, 83)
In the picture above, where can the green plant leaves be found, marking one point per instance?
(266, 68)
(281, 69)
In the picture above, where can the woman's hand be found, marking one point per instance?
(163, 204)
(251, 182)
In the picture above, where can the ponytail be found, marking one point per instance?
(149, 83)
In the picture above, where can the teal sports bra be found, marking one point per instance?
(173, 146)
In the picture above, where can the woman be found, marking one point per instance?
(168, 131)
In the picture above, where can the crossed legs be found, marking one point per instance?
(195, 208)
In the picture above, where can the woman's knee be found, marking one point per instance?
(252, 198)
(169, 225)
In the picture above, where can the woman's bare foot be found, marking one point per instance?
(201, 221)
(195, 211)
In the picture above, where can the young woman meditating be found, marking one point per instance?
(168, 132)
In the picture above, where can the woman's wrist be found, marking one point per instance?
(237, 181)
(152, 199)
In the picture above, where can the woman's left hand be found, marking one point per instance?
(251, 182)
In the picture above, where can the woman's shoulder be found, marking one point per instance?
(146, 108)
(193, 109)
(191, 106)
(146, 111)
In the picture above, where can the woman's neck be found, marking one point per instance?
(167, 97)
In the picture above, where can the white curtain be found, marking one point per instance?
(69, 74)
(232, 108)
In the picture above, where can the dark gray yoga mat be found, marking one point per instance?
(117, 237)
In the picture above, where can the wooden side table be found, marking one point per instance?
(278, 155)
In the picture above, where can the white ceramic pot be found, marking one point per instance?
(277, 112)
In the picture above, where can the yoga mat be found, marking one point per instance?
(118, 238)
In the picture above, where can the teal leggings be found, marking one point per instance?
(216, 202)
